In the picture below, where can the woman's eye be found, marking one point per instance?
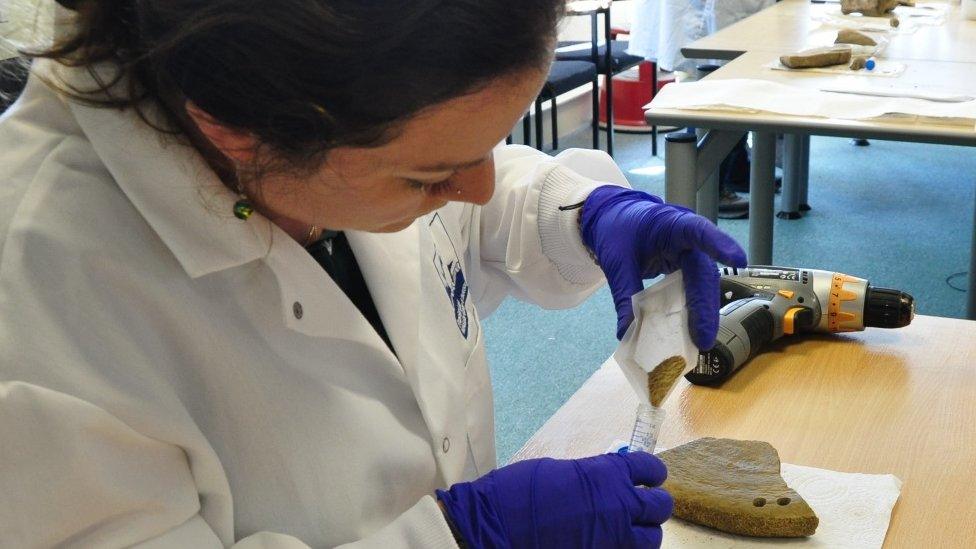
(432, 188)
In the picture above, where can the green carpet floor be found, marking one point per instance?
(898, 214)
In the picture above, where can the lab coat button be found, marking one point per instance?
(297, 309)
(446, 444)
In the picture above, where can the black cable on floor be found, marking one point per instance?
(951, 278)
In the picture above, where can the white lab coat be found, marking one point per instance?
(174, 377)
(660, 28)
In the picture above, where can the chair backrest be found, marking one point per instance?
(593, 8)
(13, 78)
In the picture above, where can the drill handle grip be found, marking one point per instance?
(745, 326)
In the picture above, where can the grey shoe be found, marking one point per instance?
(731, 205)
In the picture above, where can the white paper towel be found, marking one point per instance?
(854, 511)
(659, 331)
(909, 17)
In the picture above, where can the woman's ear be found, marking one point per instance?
(236, 145)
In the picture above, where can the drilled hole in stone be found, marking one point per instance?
(759, 502)
(783, 501)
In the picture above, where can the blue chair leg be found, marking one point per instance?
(594, 57)
(538, 124)
(526, 130)
(608, 65)
(609, 82)
(596, 112)
(555, 128)
(654, 93)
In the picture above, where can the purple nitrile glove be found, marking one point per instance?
(567, 503)
(636, 236)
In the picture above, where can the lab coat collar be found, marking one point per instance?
(170, 184)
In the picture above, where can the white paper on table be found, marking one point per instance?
(754, 96)
(659, 331)
(831, 16)
(882, 68)
(933, 14)
(910, 18)
(854, 511)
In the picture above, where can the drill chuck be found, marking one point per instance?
(887, 308)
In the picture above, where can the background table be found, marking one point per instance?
(950, 77)
(790, 25)
(880, 401)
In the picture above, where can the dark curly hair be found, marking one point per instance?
(304, 76)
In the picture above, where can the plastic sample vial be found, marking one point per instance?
(647, 426)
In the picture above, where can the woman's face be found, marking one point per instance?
(441, 155)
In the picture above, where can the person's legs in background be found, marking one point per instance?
(733, 174)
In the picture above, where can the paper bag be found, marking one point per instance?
(659, 331)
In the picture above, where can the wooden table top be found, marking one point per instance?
(790, 26)
(879, 401)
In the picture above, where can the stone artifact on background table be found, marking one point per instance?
(871, 8)
(851, 36)
(735, 486)
(818, 57)
(858, 62)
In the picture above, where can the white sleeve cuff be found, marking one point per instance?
(559, 229)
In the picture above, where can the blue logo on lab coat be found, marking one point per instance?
(448, 267)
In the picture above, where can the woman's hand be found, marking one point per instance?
(636, 235)
(541, 503)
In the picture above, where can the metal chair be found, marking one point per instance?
(611, 58)
(565, 76)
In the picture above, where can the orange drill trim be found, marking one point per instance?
(835, 316)
(789, 321)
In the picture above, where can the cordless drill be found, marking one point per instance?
(761, 304)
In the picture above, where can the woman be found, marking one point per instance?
(245, 250)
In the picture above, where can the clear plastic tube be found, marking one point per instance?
(647, 426)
